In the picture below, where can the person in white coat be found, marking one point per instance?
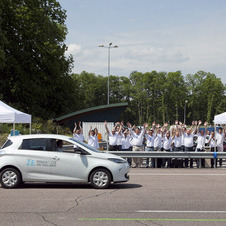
(201, 140)
(213, 147)
(220, 136)
(92, 138)
(138, 138)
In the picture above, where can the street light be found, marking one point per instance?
(109, 47)
(186, 101)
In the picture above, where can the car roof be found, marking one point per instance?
(30, 136)
(17, 140)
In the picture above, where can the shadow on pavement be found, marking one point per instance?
(125, 186)
(74, 186)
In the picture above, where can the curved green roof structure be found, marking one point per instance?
(101, 113)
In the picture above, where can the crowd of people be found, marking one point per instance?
(177, 137)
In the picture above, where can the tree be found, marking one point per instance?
(138, 94)
(147, 96)
(193, 83)
(36, 71)
(213, 94)
(91, 90)
(206, 95)
(154, 96)
(2, 39)
(175, 95)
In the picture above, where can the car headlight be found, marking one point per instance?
(117, 160)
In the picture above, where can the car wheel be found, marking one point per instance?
(10, 178)
(100, 178)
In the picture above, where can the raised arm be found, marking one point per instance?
(145, 125)
(153, 126)
(96, 131)
(75, 128)
(120, 129)
(198, 126)
(224, 130)
(106, 127)
(80, 127)
(205, 124)
(212, 137)
(90, 131)
(173, 132)
(130, 128)
(180, 128)
(194, 124)
(166, 126)
(164, 129)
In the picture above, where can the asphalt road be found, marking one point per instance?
(151, 197)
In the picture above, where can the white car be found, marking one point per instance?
(36, 158)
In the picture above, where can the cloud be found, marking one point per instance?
(73, 49)
(125, 59)
(168, 50)
(156, 55)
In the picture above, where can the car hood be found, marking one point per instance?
(107, 155)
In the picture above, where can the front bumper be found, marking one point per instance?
(121, 174)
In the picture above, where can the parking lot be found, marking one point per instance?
(151, 197)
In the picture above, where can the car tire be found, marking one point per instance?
(10, 178)
(100, 178)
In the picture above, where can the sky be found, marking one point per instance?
(160, 35)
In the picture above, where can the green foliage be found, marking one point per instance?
(36, 71)
(6, 128)
(206, 95)
(2, 39)
(38, 126)
(37, 79)
(155, 96)
(3, 138)
(175, 94)
(42, 126)
(91, 90)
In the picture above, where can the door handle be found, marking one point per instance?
(56, 158)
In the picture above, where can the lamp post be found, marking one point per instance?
(109, 47)
(186, 101)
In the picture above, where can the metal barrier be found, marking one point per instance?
(163, 154)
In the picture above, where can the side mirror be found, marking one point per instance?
(80, 151)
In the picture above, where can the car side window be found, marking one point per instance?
(65, 147)
(39, 144)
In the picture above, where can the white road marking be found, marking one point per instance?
(176, 211)
(175, 174)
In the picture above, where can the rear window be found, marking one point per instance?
(39, 144)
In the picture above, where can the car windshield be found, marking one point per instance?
(6, 144)
(85, 145)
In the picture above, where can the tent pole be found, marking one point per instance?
(215, 148)
(14, 129)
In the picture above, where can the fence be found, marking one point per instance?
(99, 125)
(162, 154)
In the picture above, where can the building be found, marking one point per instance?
(110, 112)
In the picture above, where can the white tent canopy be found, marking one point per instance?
(220, 119)
(11, 115)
